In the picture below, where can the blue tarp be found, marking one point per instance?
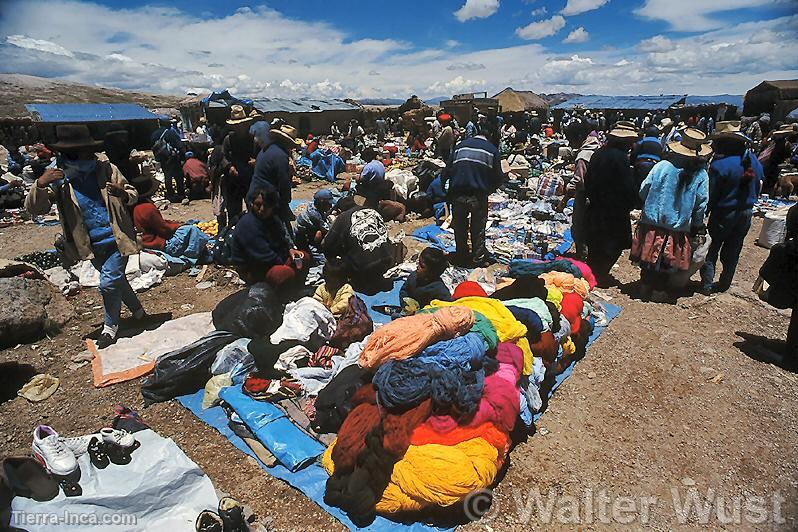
(324, 164)
(621, 102)
(729, 99)
(227, 98)
(88, 112)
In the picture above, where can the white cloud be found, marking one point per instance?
(456, 85)
(693, 15)
(578, 35)
(451, 43)
(38, 44)
(657, 43)
(542, 28)
(575, 7)
(466, 66)
(539, 12)
(476, 9)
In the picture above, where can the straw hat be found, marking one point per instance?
(286, 133)
(624, 130)
(729, 129)
(237, 115)
(693, 144)
(665, 122)
(784, 131)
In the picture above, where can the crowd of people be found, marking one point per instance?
(695, 188)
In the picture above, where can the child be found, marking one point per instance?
(425, 283)
(335, 292)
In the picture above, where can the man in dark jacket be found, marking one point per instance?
(239, 149)
(474, 171)
(168, 150)
(359, 237)
(273, 167)
(611, 195)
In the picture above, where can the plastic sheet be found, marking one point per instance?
(160, 489)
(293, 447)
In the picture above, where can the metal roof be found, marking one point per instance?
(728, 99)
(302, 105)
(621, 102)
(88, 112)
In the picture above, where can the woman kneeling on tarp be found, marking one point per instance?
(176, 239)
(261, 247)
(675, 195)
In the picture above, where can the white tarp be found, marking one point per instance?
(160, 489)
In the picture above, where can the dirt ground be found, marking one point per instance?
(671, 405)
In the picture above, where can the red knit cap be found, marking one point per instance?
(468, 288)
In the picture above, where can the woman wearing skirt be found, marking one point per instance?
(675, 196)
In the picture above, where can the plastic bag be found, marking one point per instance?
(185, 370)
(252, 312)
(213, 387)
(230, 355)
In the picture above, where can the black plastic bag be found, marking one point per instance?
(184, 370)
(252, 312)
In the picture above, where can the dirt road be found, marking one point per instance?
(665, 409)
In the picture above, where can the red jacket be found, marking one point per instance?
(197, 171)
(155, 231)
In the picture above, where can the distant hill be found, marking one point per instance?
(17, 89)
(559, 97)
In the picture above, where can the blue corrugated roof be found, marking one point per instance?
(88, 112)
(620, 102)
(728, 99)
(302, 105)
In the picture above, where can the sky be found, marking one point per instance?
(375, 49)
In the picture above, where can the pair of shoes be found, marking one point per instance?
(229, 519)
(109, 446)
(105, 340)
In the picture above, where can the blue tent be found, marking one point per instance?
(88, 112)
(225, 99)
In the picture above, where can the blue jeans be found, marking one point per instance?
(727, 230)
(114, 286)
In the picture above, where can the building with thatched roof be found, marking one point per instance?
(513, 101)
(775, 97)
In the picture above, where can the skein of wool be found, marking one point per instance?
(363, 419)
(546, 348)
(536, 305)
(489, 432)
(587, 273)
(554, 295)
(567, 283)
(407, 337)
(572, 306)
(482, 325)
(451, 373)
(500, 403)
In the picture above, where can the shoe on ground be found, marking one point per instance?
(52, 453)
(706, 290)
(185, 201)
(208, 521)
(122, 438)
(105, 340)
(78, 445)
(140, 314)
(232, 514)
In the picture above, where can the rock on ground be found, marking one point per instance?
(29, 309)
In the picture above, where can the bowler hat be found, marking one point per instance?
(74, 137)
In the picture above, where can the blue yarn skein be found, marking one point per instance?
(451, 373)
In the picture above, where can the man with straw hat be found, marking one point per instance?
(168, 150)
(675, 196)
(93, 200)
(238, 148)
(273, 167)
(775, 151)
(611, 195)
(735, 179)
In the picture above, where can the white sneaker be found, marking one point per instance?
(79, 445)
(52, 453)
(121, 438)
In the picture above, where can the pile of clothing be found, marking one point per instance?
(434, 397)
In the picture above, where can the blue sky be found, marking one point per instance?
(357, 49)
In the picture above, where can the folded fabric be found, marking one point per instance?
(407, 337)
(572, 306)
(288, 360)
(337, 302)
(567, 283)
(536, 305)
(562, 334)
(353, 325)
(521, 267)
(468, 288)
(303, 321)
(334, 401)
(530, 319)
(264, 389)
(425, 434)
(525, 286)
(323, 357)
(547, 347)
(315, 379)
(554, 295)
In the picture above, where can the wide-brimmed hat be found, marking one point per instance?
(693, 144)
(238, 115)
(729, 129)
(145, 185)
(624, 130)
(785, 130)
(74, 137)
(665, 122)
(117, 141)
(286, 133)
